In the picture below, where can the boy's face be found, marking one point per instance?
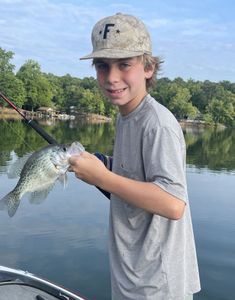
(123, 81)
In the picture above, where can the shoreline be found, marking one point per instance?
(11, 114)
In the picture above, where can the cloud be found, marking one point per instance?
(57, 33)
(44, 29)
(158, 23)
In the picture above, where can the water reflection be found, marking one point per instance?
(211, 148)
(72, 224)
(21, 138)
(206, 148)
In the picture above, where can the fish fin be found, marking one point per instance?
(10, 203)
(38, 197)
(16, 167)
(63, 179)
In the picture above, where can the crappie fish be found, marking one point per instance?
(39, 173)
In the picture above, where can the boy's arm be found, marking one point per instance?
(145, 195)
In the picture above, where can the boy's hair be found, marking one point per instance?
(150, 63)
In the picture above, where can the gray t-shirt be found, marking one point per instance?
(151, 257)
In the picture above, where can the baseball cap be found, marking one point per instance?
(119, 36)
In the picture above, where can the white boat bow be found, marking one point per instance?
(17, 284)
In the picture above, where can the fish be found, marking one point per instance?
(38, 173)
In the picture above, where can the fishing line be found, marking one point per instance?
(39, 130)
(30, 122)
(16, 133)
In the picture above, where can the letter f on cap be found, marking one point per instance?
(106, 29)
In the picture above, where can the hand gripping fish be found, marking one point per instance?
(40, 172)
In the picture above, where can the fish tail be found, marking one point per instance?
(10, 202)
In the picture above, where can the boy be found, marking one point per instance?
(151, 244)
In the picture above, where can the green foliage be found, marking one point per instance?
(56, 90)
(5, 57)
(37, 87)
(30, 88)
(208, 118)
(198, 96)
(210, 147)
(180, 103)
(222, 112)
(161, 92)
(13, 88)
(212, 102)
(9, 84)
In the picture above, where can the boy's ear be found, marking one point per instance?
(149, 73)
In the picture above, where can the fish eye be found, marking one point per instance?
(64, 148)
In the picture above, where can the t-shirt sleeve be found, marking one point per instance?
(164, 161)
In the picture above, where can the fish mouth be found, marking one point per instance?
(61, 169)
(60, 161)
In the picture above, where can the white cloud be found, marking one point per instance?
(46, 30)
(56, 33)
(157, 23)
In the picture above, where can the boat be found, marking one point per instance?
(17, 285)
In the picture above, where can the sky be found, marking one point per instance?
(196, 39)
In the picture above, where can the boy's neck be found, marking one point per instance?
(131, 106)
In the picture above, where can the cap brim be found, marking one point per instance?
(113, 54)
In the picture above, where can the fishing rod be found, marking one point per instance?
(44, 134)
(30, 122)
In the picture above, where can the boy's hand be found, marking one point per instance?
(88, 168)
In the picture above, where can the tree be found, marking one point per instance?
(9, 85)
(37, 87)
(30, 88)
(71, 91)
(13, 88)
(180, 103)
(99, 102)
(87, 101)
(222, 111)
(89, 83)
(5, 65)
(161, 91)
(209, 89)
(198, 96)
(56, 89)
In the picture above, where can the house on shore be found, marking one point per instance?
(45, 111)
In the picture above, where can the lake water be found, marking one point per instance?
(64, 238)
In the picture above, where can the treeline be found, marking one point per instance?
(30, 88)
(207, 101)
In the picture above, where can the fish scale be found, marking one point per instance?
(40, 173)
